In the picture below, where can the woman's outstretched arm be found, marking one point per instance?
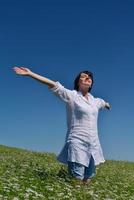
(27, 72)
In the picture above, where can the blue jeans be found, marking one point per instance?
(81, 172)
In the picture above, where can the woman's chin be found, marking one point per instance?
(85, 87)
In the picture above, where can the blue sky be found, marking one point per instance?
(58, 39)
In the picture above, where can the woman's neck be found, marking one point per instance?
(84, 93)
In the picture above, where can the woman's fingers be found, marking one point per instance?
(108, 106)
(17, 69)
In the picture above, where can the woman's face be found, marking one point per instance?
(85, 81)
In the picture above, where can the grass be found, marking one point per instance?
(27, 175)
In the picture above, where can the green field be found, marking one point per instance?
(30, 175)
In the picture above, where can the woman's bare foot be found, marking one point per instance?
(86, 181)
(77, 182)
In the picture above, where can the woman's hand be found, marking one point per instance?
(22, 71)
(107, 105)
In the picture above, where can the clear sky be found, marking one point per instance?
(58, 39)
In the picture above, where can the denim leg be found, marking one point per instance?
(76, 170)
(90, 170)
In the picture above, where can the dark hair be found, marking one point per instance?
(90, 74)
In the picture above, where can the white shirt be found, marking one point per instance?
(82, 135)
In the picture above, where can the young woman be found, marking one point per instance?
(82, 150)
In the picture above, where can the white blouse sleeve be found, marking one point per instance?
(100, 103)
(63, 93)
